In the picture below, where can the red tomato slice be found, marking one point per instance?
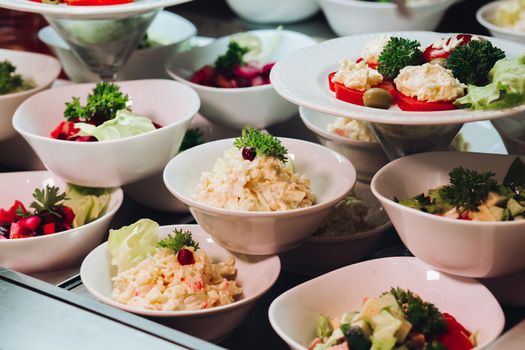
(96, 2)
(411, 104)
(431, 53)
(330, 83)
(349, 95)
(456, 337)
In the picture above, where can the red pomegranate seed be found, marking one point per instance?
(185, 257)
(248, 153)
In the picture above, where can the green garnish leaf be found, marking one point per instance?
(424, 316)
(177, 241)
(262, 142)
(232, 57)
(102, 104)
(468, 189)
(397, 54)
(48, 201)
(9, 81)
(471, 63)
(193, 137)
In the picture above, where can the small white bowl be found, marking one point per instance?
(257, 106)
(322, 254)
(485, 16)
(294, 314)
(49, 252)
(460, 247)
(254, 274)
(274, 11)
(332, 176)
(172, 30)
(117, 162)
(367, 157)
(152, 192)
(347, 17)
(42, 70)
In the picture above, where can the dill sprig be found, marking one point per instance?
(262, 143)
(179, 240)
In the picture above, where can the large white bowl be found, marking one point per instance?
(460, 247)
(485, 16)
(258, 106)
(332, 176)
(274, 11)
(293, 314)
(173, 31)
(109, 163)
(49, 252)
(320, 254)
(42, 70)
(254, 274)
(348, 17)
(367, 157)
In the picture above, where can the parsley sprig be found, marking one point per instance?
(9, 81)
(193, 137)
(397, 54)
(468, 189)
(177, 241)
(262, 143)
(232, 57)
(47, 201)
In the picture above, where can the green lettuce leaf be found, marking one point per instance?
(125, 124)
(507, 87)
(131, 244)
(87, 203)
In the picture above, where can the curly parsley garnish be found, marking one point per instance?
(102, 104)
(397, 54)
(193, 137)
(9, 81)
(177, 241)
(262, 142)
(468, 189)
(232, 57)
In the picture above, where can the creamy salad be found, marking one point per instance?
(255, 175)
(511, 14)
(353, 129)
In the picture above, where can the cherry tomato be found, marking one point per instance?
(411, 104)
(432, 53)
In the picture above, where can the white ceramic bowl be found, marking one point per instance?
(254, 274)
(485, 16)
(258, 106)
(322, 254)
(42, 70)
(274, 11)
(152, 192)
(367, 157)
(348, 17)
(173, 31)
(109, 163)
(332, 176)
(460, 247)
(512, 132)
(293, 314)
(50, 252)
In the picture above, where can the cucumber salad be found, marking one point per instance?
(398, 319)
(476, 196)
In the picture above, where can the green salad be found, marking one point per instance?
(11, 82)
(477, 196)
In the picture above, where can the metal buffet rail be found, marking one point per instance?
(38, 315)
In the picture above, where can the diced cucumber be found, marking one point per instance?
(324, 327)
(385, 327)
(497, 213)
(519, 217)
(514, 207)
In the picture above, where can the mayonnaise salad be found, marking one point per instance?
(511, 14)
(258, 178)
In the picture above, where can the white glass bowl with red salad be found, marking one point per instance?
(46, 224)
(231, 75)
(107, 134)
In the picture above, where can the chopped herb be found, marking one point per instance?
(232, 57)
(468, 189)
(193, 137)
(471, 63)
(177, 241)
(262, 143)
(48, 201)
(397, 54)
(9, 81)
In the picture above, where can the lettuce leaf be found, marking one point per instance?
(87, 203)
(507, 87)
(125, 124)
(131, 244)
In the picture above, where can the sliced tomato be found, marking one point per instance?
(411, 104)
(456, 337)
(349, 95)
(96, 2)
(330, 82)
(432, 53)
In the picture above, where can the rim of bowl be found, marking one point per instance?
(489, 9)
(353, 236)
(125, 139)
(361, 3)
(39, 87)
(172, 62)
(429, 216)
(330, 136)
(262, 214)
(182, 313)
(116, 192)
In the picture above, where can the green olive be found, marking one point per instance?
(377, 98)
(441, 61)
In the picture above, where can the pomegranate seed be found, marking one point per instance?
(248, 153)
(185, 257)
